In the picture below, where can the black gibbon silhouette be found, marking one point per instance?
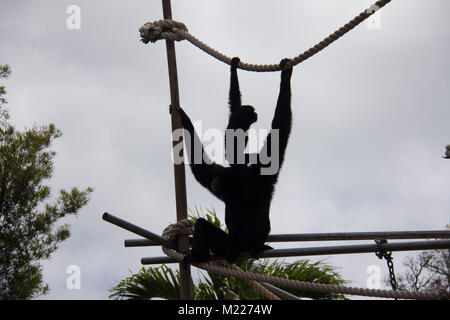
(245, 190)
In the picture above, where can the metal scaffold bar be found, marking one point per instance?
(431, 234)
(331, 250)
(154, 238)
(179, 170)
(340, 236)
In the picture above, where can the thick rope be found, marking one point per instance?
(177, 31)
(186, 227)
(255, 285)
(303, 285)
(310, 286)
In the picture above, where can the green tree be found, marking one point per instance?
(163, 282)
(29, 229)
(4, 73)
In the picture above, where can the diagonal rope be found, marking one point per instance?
(177, 31)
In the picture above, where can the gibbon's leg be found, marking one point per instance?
(250, 241)
(206, 237)
(255, 236)
(233, 249)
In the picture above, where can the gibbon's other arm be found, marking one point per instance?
(234, 98)
(235, 105)
(282, 120)
(203, 168)
(240, 119)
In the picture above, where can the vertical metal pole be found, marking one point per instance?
(180, 178)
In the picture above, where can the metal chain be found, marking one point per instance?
(381, 253)
(390, 265)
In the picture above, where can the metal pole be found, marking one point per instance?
(361, 248)
(330, 250)
(179, 172)
(154, 238)
(431, 234)
(139, 243)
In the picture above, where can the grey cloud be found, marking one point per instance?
(370, 117)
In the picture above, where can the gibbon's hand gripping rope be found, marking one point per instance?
(177, 31)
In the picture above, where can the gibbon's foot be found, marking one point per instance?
(255, 253)
(235, 61)
(285, 73)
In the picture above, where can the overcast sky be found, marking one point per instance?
(371, 117)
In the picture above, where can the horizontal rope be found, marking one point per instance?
(310, 286)
(177, 31)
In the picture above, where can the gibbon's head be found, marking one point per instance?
(248, 114)
(242, 118)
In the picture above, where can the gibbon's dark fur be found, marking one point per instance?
(246, 193)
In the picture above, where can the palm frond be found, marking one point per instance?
(161, 282)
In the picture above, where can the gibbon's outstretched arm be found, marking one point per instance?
(282, 120)
(203, 168)
(234, 98)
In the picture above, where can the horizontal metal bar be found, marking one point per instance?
(138, 230)
(358, 248)
(330, 250)
(140, 243)
(430, 234)
(158, 260)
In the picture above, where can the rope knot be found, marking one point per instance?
(185, 226)
(163, 29)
